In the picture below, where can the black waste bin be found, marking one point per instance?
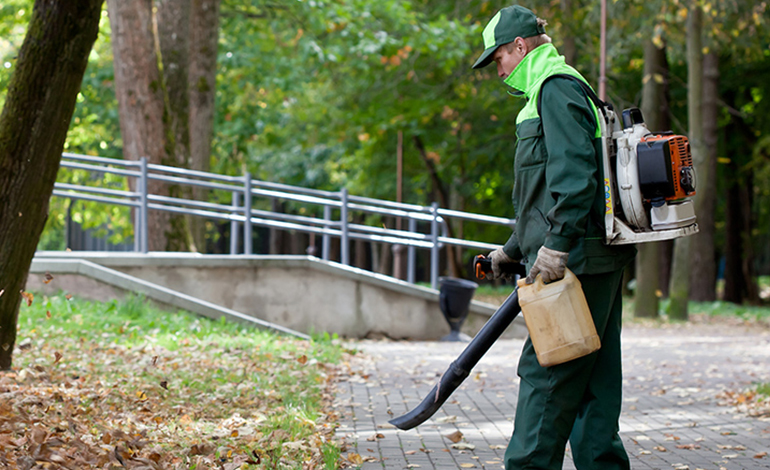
(455, 299)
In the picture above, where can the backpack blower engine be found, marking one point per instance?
(648, 199)
(648, 178)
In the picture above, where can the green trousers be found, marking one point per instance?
(577, 401)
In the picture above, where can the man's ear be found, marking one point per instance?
(521, 46)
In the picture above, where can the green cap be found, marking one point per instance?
(508, 24)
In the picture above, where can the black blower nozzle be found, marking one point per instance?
(461, 367)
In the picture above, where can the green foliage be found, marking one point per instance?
(314, 93)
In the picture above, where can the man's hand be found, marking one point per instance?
(499, 259)
(550, 264)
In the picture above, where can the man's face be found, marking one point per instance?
(507, 61)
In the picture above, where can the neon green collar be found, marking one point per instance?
(533, 68)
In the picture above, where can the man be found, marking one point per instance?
(558, 198)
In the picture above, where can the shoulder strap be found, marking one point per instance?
(587, 89)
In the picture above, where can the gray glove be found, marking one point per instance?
(499, 258)
(550, 264)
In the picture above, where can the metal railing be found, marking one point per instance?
(243, 216)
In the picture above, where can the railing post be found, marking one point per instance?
(411, 254)
(137, 219)
(344, 242)
(234, 225)
(247, 214)
(327, 238)
(434, 249)
(144, 230)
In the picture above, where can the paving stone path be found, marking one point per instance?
(675, 414)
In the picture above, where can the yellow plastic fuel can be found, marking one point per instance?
(558, 319)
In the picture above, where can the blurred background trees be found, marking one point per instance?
(327, 94)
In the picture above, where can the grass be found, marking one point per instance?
(95, 383)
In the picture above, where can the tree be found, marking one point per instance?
(166, 81)
(139, 90)
(204, 40)
(33, 127)
(173, 31)
(657, 116)
(680, 270)
(703, 270)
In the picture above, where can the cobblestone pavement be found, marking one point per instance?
(675, 415)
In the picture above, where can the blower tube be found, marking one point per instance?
(461, 367)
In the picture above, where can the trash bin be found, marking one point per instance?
(455, 297)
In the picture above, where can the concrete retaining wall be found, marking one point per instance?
(301, 293)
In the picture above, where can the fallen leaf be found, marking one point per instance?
(28, 297)
(447, 419)
(455, 437)
(408, 452)
(164, 384)
(467, 465)
(730, 456)
(302, 359)
(688, 446)
(760, 455)
(660, 448)
(354, 458)
(463, 446)
(48, 278)
(48, 313)
(56, 357)
(119, 456)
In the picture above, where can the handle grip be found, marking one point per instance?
(482, 266)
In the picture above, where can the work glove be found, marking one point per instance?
(499, 259)
(550, 264)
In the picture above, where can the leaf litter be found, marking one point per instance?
(109, 390)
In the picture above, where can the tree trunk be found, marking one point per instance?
(204, 40)
(656, 113)
(681, 268)
(665, 258)
(138, 89)
(703, 277)
(33, 127)
(734, 282)
(173, 29)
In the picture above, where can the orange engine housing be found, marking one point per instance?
(672, 151)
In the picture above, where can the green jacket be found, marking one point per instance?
(558, 192)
